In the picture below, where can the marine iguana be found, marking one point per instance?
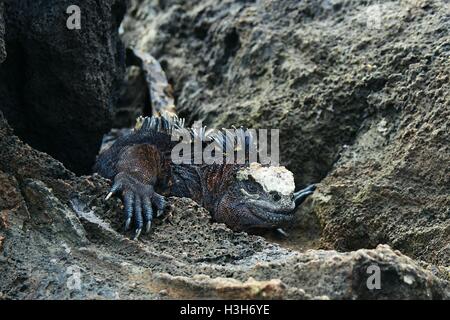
(243, 196)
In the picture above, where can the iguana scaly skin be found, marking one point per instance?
(243, 196)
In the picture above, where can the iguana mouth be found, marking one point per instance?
(274, 217)
(269, 213)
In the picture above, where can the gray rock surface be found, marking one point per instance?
(2, 35)
(134, 100)
(359, 90)
(58, 86)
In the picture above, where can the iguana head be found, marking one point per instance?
(258, 197)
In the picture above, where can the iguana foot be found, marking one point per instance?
(139, 200)
(301, 195)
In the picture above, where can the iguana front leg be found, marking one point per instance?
(138, 169)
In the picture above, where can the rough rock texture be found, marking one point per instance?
(59, 239)
(58, 86)
(359, 89)
(134, 100)
(2, 35)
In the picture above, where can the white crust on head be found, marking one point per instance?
(277, 179)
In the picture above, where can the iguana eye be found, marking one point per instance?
(252, 188)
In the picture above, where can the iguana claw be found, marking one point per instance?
(301, 195)
(138, 200)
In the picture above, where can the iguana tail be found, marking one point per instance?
(160, 90)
